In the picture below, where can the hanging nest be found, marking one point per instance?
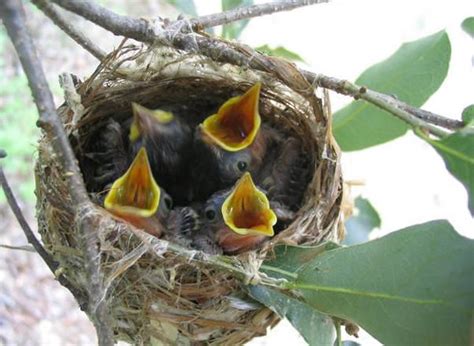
(158, 292)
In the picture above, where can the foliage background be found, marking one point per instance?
(405, 179)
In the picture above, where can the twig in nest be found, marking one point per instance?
(12, 14)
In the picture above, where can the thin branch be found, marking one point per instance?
(385, 102)
(237, 14)
(145, 32)
(26, 248)
(30, 236)
(13, 16)
(14, 21)
(432, 118)
(137, 29)
(56, 16)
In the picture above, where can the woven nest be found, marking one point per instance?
(157, 292)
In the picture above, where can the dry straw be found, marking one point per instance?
(158, 292)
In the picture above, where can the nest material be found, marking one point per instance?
(155, 293)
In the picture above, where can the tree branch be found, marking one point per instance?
(138, 29)
(12, 14)
(30, 236)
(385, 102)
(237, 14)
(50, 11)
(145, 32)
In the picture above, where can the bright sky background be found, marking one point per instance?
(405, 179)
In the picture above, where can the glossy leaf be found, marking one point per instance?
(315, 327)
(468, 114)
(185, 6)
(279, 51)
(411, 287)
(412, 75)
(457, 151)
(233, 30)
(468, 26)
(359, 226)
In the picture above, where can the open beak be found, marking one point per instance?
(136, 193)
(144, 120)
(237, 121)
(246, 211)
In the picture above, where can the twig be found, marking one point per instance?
(138, 29)
(12, 14)
(30, 236)
(143, 31)
(386, 102)
(50, 11)
(237, 14)
(26, 248)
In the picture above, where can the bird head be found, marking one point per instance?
(148, 122)
(241, 218)
(136, 193)
(246, 210)
(236, 123)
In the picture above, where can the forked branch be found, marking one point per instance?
(149, 32)
(12, 14)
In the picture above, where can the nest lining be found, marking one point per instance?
(155, 293)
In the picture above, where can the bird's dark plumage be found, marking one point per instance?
(168, 141)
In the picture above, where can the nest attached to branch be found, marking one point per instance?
(157, 292)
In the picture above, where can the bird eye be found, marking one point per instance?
(168, 202)
(242, 166)
(210, 214)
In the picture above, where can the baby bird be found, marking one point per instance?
(137, 198)
(237, 220)
(167, 140)
(285, 173)
(233, 140)
(112, 160)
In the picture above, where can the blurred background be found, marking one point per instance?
(405, 181)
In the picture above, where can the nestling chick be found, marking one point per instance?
(167, 140)
(137, 198)
(113, 158)
(285, 173)
(238, 219)
(233, 140)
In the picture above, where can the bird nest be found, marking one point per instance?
(158, 291)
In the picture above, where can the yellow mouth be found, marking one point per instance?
(136, 192)
(247, 209)
(237, 121)
(143, 118)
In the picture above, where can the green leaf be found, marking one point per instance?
(280, 52)
(315, 327)
(359, 226)
(468, 115)
(468, 26)
(233, 30)
(457, 151)
(288, 259)
(411, 287)
(185, 6)
(412, 74)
